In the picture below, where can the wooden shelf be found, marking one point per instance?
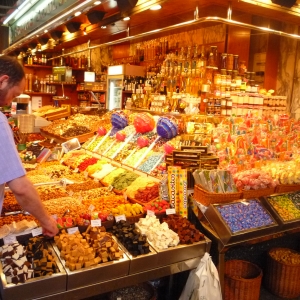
(60, 83)
(38, 66)
(39, 93)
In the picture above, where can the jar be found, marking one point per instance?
(223, 111)
(227, 92)
(228, 78)
(224, 61)
(223, 80)
(238, 81)
(229, 61)
(229, 111)
(217, 110)
(242, 67)
(240, 99)
(217, 79)
(223, 102)
(234, 99)
(229, 103)
(235, 62)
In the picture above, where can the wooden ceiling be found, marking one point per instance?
(172, 12)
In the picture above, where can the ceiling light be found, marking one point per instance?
(126, 19)
(46, 30)
(103, 27)
(155, 7)
(97, 2)
(84, 31)
(78, 13)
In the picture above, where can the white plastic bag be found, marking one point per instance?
(203, 282)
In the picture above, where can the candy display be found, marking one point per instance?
(159, 235)
(287, 206)
(133, 241)
(123, 180)
(253, 179)
(187, 232)
(109, 179)
(245, 215)
(150, 162)
(106, 169)
(88, 249)
(134, 158)
(129, 210)
(143, 189)
(157, 206)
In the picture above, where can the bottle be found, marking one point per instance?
(30, 83)
(36, 87)
(40, 60)
(205, 89)
(35, 59)
(29, 60)
(62, 59)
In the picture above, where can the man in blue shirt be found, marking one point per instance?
(12, 173)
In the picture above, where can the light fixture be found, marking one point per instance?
(46, 30)
(155, 7)
(95, 16)
(78, 13)
(97, 2)
(103, 27)
(22, 8)
(39, 47)
(84, 31)
(126, 19)
(73, 26)
(56, 34)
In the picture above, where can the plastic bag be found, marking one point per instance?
(203, 282)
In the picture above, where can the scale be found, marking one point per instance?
(57, 99)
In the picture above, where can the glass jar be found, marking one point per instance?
(224, 61)
(235, 62)
(229, 62)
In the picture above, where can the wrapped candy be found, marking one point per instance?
(253, 180)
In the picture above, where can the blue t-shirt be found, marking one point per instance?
(10, 163)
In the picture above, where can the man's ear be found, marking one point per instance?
(3, 79)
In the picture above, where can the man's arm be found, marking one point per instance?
(29, 199)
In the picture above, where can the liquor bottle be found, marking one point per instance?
(35, 59)
(36, 86)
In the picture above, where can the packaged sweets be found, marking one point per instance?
(183, 197)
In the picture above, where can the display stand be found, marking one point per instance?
(255, 237)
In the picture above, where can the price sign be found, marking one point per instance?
(63, 183)
(72, 230)
(150, 213)
(51, 141)
(120, 218)
(37, 231)
(245, 203)
(170, 211)
(96, 223)
(110, 188)
(9, 239)
(75, 170)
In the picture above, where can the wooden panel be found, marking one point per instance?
(271, 69)
(121, 50)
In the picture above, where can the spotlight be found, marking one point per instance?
(84, 31)
(155, 7)
(78, 13)
(97, 2)
(126, 19)
(103, 27)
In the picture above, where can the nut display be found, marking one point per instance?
(285, 256)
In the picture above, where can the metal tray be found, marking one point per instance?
(284, 225)
(142, 262)
(181, 252)
(35, 287)
(226, 235)
(95, 274)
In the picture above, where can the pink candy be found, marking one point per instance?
(253, 180)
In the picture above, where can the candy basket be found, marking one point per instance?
(206, 198)
(284, 188)
(249, 194)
